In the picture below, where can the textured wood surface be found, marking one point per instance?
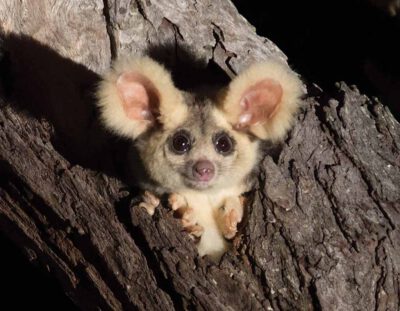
(322, 227)
(74, 29)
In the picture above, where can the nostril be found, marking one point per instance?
(204, 169)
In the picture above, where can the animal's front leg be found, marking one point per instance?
(179, 204)
(149, 202)
(231, 215)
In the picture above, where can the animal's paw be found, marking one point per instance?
(232, 215)
(189, 222)
(177, 201)
(149, 202)
(229, 225)
(179, 204)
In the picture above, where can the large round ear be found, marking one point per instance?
(263, 100)
(136, 94)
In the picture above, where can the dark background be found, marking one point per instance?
(331, 41)
(326, 41)
(40, 290)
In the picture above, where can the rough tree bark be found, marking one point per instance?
(322, 227)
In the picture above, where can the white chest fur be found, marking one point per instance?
(209, 209)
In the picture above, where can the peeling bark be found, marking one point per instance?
(322, 225)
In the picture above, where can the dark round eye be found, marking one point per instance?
(223, 144)
(180, 142)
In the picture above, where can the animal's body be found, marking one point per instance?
(201, 149)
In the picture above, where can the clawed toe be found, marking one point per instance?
(186, 214)
(195, 230)
(231, 216)
(231, 220)
(150, 202)
(190, 224)
(176, 201)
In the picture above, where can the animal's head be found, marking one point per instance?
(192, 141)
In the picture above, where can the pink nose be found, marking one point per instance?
(203, 170)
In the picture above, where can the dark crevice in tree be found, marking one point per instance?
(123, 208)
(20, 275)
(312, 290)
(110, 29)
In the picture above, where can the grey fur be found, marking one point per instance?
(174, 172)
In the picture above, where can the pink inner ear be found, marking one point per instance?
(136, 92)
(260, 102)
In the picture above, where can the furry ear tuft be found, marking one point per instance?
(263, 100)
(135, 94)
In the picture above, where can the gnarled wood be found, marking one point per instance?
(322, 226)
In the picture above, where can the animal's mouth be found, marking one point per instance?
(205, 177)
(198, 184)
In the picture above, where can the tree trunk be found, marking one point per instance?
(322, 225)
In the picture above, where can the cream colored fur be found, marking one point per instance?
(212, 205)
(276, 127)
(172, 109)
(208, 210)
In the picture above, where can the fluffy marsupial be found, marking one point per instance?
(199, 149)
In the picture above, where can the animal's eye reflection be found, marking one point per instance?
(223, 143)
(180, 142)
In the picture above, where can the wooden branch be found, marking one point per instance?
(321, 230)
